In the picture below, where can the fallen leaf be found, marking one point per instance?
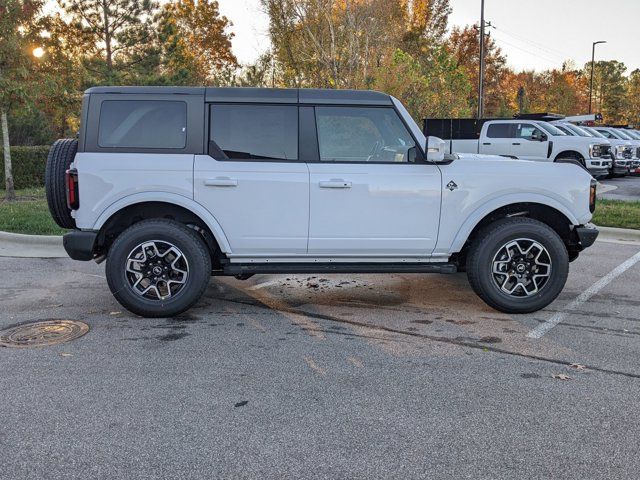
(242, 403)
(66, 354)
(577, 366)
(56, 305)
(561, 376)
(115, 313)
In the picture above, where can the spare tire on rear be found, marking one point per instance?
(60, 157)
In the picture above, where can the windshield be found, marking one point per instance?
(578, 131)
(634, 134)
(593, 132)
(624, 134)
(564, 129)
(611, 132)
(551, 130)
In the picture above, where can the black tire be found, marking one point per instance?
(163, 231)
(490, 242)
(574, 158)
(60, 156)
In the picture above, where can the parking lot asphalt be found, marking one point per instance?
(627, 188)
(370, 376)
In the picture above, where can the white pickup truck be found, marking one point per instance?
(522, 139)
(174, 184)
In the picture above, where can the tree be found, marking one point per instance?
(19, 29)
(333, 43)
(195, 43)
(632, 104)
(437, 91)
(464, 45)
(427, 26)
(117, 37)
(609, 89)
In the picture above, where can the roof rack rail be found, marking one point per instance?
(544, 116)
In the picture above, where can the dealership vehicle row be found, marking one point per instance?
(605, 151)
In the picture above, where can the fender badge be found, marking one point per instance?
(452, 185)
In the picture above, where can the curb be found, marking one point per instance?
(31, 246)
(626, 235)
(604, 188)
(50, 246)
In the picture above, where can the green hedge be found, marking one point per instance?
(28, 166)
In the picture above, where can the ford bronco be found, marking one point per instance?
(171, 185)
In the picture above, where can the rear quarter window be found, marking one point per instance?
(142, 124)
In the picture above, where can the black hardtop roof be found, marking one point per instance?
(260, 95)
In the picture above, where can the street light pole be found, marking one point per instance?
(481, 73)
(593, 56)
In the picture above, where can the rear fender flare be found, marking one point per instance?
(175, 199)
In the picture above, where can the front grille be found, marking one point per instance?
(628, 153)
(638, 152)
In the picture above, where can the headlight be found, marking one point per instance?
(595, 151)
(620, 152)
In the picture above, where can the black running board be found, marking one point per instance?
(336, 267)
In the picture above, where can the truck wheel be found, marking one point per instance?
(518, 265)
(60, 156)
(158, 268)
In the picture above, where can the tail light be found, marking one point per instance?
(73, 200)
(592, 196)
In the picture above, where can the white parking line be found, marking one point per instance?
(557, 318)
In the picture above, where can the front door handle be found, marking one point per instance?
(335, 183)
(221, 182)
(487, 143)
(515, 143)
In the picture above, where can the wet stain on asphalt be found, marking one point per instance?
(171, 337)
(530, 375)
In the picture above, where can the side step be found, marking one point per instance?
(335, 267)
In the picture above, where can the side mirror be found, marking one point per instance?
(435, 149)
(540, 137)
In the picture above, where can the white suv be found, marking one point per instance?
(172, 185)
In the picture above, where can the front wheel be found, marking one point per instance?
(158, 268)
(518, 265)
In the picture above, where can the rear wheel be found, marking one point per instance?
(158, 268)
(518, 265)
(61, 155)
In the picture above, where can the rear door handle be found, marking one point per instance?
(221, 182)
(486, 143)
(335, 183)
(515, 144)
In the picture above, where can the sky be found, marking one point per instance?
(534, 35)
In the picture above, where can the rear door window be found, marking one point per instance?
(254, 132)
(142, 124)
(500, 130)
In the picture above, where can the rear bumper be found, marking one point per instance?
(587, 235)
(79, 244)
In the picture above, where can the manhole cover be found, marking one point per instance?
(42, 333)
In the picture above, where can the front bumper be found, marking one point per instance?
(80, 244)
(587, 235)
(599, 171)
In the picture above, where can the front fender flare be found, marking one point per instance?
(494, 204)
(175, 199)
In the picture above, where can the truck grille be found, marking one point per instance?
(638, 152)
(628, 153)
